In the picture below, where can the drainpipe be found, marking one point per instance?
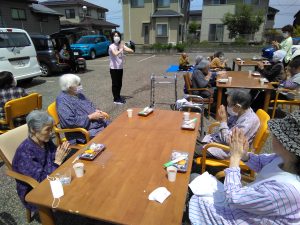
(129, 21)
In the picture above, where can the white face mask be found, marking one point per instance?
(79, 89)
(117, 39)
(231, 112)
(285, 35)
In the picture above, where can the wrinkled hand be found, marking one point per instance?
(222, 114)
(104, 115)
(260, 65)
(238, 147)
(61, 152)
(208, 76)
(96, 115)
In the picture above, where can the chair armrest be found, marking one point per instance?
(70, 130)
(204, 150)
(3, 122)
(220, 175)
(26, 179)
(211, 126)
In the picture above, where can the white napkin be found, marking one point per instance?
(159, 194)
(205, 185)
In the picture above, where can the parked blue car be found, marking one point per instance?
(91, 46)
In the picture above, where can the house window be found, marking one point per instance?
(271, 17)
(161, 30)
(70, 13)
(218, 2)
(137, 3)
(101, 15)
(216, 32)
(88, 12)
(18, 14)
(251, 2)
(163, 3)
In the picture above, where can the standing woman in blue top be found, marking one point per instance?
(116, 60)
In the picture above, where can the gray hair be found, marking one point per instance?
(37, 119)
(198, 59)
(68, 80)
(204, 63)
(241, 97)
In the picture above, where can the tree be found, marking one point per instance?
(193, 27)
(245, 21)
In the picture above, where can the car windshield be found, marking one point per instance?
(15, 39)
(86, 40)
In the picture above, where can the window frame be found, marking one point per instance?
(137, 5)
(18, 10)
(101, 15)
(218, 2)
(69, 17)
(156, 30)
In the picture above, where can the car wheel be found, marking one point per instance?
(45, 69)
(93, 54)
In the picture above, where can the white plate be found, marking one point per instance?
(256, 74)
(223, 80)
(265, 80)
(238, 59)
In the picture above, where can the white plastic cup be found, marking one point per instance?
(262, 82)
(79, 169)
(249, 73)
(172, 171)
(65, 177)
(242, 62)
(129, 113)
(229, 80)
(186, 116)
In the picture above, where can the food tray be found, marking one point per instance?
(145, 112)
(92, 151)
(182, 165)
(189, 124)
(223, 80)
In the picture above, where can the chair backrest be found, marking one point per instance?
(53, 113)
(188, 82)
(10, 141)
(21, 106)
(263, 132)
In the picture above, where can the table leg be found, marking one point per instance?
(46, 216)
(267, 99)
(239, 67)
(233, 65)
(219, 99)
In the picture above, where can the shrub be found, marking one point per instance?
(180, 47)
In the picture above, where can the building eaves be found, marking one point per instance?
(38, 8)
(195, 12)
(166, 13)
(90, 21)
(73, 2)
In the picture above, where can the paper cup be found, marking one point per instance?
(229, 79)
(249, 73)
(186, 116)
(79, 169)
(172, 171)
(262, 82)
(129, 112)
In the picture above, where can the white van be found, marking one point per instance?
(17, 54)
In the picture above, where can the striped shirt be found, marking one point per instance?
(273, 198)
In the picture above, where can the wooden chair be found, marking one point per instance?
(258, 142)
(9, 142)
(290, 103)
(188, 85)
(58, 131)
(20, 107)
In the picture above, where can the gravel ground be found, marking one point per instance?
(97, 86)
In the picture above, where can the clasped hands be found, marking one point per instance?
(97, 115)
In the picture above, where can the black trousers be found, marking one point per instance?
(116, 78)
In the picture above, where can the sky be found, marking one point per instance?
(288, 8)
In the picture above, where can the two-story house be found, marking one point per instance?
(212, 28)
(155, 21)
(29, 15)
(83, 14)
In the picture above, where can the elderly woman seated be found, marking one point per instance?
(184, 63)
(275, 194)
(219, 62)
(201, 77)
(240, 115)
(9, 91)
(75, 110)
(37, 156)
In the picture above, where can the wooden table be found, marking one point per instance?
(117, 183)
(241, 79)
(246, 62)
